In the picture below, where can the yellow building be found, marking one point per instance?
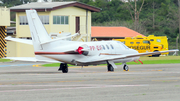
(4, 22)
(57, 17)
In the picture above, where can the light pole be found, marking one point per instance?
(179, 21)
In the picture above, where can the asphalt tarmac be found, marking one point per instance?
(21, 81)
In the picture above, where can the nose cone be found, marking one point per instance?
(134, 52)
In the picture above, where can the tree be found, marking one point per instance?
(179, 22)
(133, 9)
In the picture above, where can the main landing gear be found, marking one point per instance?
(63, 67)
(110, 68)
(125, 67)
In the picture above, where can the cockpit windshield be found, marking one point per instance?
(122, 44)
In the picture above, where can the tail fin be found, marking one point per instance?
(38, 32)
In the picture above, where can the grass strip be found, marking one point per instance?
(5, 60)
(129, 63)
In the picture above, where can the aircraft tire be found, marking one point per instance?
(65, 68)
(156, 55)
(110, 68)
(126, 68)
(60, 67)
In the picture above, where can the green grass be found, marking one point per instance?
(52, 65)
(5, 60)
(145, 60)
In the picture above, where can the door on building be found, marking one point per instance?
(77, 24)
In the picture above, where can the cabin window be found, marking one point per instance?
(107, 46)
(131, 42)
(103, 47)
(44, 19)
(63, 20)
(158, 40)
(112, 46)
(151, 39)
(146, 42)
(137, 42)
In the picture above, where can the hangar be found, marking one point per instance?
(4, 22)
(57, 17)
(109, 33)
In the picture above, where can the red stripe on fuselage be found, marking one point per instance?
(54, 53)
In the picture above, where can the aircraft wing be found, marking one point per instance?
(32, 59)
(20, 40)
(108, 57)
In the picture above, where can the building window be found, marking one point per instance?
(23, 20)
(64, 20)
(29, 38)
(44, 19)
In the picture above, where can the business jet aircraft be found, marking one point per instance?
(76, 53)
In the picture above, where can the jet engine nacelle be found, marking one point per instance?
(85, 50)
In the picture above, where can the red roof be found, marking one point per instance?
(48, 6)
(97, 31)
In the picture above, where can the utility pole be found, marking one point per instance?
(179, 21)
(153, 15)
(135, 16)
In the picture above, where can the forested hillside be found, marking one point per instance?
(158, 17)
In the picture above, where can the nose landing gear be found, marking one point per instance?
(125, 67)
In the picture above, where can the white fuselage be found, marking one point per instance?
(66, 51)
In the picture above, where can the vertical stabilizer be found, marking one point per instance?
(38, 32)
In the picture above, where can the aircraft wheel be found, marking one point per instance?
(64, 67)
(60, 67)
(110, 68)
(156, 55)
(65, 70)
(126, 68)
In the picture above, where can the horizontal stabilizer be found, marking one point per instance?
(25, 41)
(62, 38)
(32, 59)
